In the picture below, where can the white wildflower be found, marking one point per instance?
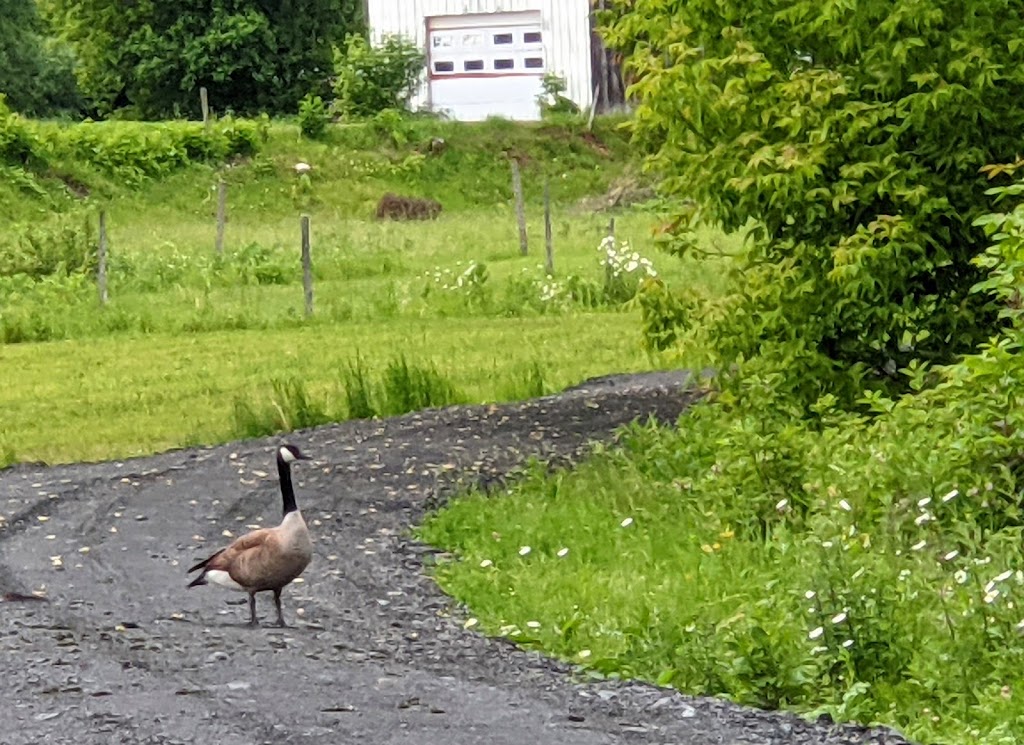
(923, 518)
(845, 505)
(781, 505)
(950, 555)
(919, 545)
(848, 643)
(486, 563)
(838, 618)
(816, 633)
(524, 550)
(627, 522)
(563, 552)
(951, 496)
(922, 503)
(1004, 576)
(810, 594)
(990, 596)
(960, 576)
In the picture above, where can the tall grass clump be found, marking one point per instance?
(406, 388)
(401, 387)
(864, 561)
(286, 406)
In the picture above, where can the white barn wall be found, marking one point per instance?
(566, 29)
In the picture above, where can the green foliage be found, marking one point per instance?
(401, 388)
(552, 101)
(132, 152)
(287, 407)
(149, 60)
(370, 79)
(868, 566)
(848, 139)
(17, 144)
(313, 116)
(35, 72)
(62, 247)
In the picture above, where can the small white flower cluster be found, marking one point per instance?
(835, 621)
(454, 281)
(619, 259)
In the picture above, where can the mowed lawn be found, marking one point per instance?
(116, 397)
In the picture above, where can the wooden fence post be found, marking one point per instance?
(222, 214)
(204, 104)
(101, 259)
(517, 191)
(593, 109)
(549, 251)
(307, 266)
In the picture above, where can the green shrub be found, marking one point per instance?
(133, 151)
(551, 101)
(848, 142)
(17, 143)
(313, 116)
(67, 245)
(370, 79)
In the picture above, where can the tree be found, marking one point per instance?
(252, 55)
(850, 136)
(35, 73)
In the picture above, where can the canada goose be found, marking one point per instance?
(266, 559)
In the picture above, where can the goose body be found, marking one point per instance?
(268, 559)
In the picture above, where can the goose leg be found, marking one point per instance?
(277, 604)
(252, 610)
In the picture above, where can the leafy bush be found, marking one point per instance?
(849, 141)
(17, 143)
(370, 79)
(35, 72)
(143, 60)
(313, 116)
(134, 151)
(65, 246)
(551, 100)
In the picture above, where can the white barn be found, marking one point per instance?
(488, 57)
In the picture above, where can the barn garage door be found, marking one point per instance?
(488, 64)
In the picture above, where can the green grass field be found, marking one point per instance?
(188, 337)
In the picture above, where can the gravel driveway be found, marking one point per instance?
(120, 652)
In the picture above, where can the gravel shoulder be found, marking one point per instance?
(119, 651)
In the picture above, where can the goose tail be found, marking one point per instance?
(204, 565)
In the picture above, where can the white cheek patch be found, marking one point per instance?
(222, 578)
(286, 455)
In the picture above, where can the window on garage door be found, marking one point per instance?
(486, 44)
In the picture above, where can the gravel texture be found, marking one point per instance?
(117, 651)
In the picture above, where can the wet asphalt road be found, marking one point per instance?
(120, 652)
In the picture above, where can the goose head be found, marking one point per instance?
(290, 453)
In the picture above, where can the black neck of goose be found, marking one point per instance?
(284, 470)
